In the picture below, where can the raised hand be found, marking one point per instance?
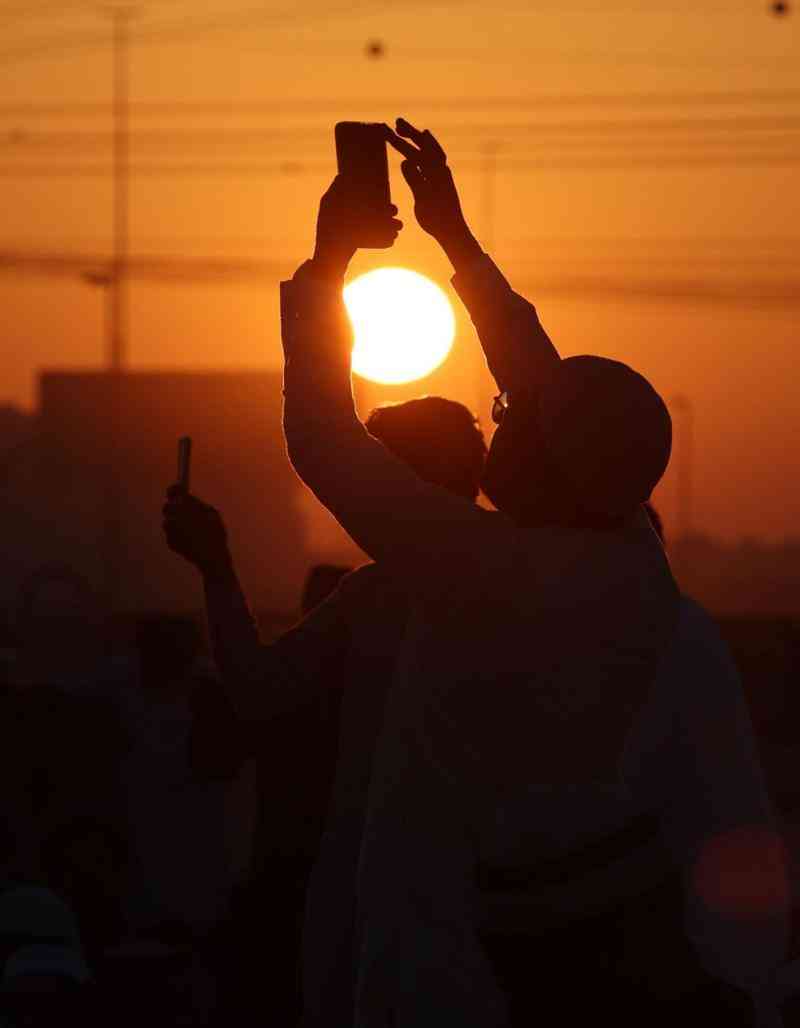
(196, 532)
(436, 203)
(344, 226)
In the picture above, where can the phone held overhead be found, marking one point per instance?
(364, 165)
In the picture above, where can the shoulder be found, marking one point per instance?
(366, 585)
(702, 664)
(698, 629)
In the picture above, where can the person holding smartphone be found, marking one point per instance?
(308, 708)
(535, 636)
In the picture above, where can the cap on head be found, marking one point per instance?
(607, 431)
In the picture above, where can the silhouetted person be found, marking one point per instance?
(536, 635)
(59, 628)
(62, 740)
(45, 978)
(288, 696)
(179, 854)
(86, 861)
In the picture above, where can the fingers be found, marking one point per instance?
(405, 128)
(430, 149)
(180, 497)
(406, 149)
(338, 193)
(183, 508)
(412, 175)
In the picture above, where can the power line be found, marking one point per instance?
(27, 12)
(510, 133)
(671, 260)
(369, 104)
(669, 160)
(142, 267)
(598, 245)
(744, 292)
(671, 240)
(192, 27)
(604, 8)
(505, 54)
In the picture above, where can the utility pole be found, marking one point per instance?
(118, 322)
(685, 480)
(117, 285)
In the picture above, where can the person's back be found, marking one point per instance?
(571, 636)
(526, 625)
(503, 686)
(692, 757)
(702, 905)
(340, 658)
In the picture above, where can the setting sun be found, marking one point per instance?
(403, 324)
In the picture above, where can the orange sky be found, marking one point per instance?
(597, 192)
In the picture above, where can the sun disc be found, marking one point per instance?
(403, 325)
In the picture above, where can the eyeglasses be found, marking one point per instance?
(499, 407)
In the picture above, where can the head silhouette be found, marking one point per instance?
(440, 439)
(586, 448)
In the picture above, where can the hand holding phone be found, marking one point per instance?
(364, 179)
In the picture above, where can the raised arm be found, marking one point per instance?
(392, 514)
(516, 346)
(261, 681)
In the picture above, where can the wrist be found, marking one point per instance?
(332, 262)
(219, 570)
(461, 246)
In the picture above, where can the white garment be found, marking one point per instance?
(518, 633)
(691, 757)
(178, 825)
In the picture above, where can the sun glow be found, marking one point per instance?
(403, 325)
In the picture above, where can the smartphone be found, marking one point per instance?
(184, 461)
(362, 160)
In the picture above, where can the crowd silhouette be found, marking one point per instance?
(503, 772)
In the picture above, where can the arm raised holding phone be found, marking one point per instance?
(516, 346)
(260, 680)
(390, 512)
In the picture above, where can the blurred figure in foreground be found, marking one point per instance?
(62, 739)
(45, 978)
(60, 627)
(288, 698)
(178, 846)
